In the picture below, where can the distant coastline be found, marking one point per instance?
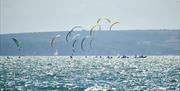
(131, 42)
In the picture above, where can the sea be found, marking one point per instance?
(100, 67)
(89, 73)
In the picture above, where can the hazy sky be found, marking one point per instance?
(57, 15)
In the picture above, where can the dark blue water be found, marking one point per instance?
(60, 73)
(104, 43)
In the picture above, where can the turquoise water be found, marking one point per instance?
(87, 74)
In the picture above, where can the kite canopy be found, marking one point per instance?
(91, 41)
(82, 42)
(17, 42)
(75, 36)
(113, 24)
(69, 33)
(73, 45)
(92, 29)
(98, 23)
(103, 18)
(53, 41)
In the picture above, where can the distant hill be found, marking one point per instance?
(105, 43)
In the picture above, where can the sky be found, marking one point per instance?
(19, 16)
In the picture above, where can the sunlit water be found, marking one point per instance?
(88, 74)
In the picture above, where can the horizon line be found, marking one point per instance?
(94, 30)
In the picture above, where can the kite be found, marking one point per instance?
(75, 36)
(92, 29)
(82, 42)
(69, 33)
(73, 46)
(113, 25)
(17, 42)
(103, 18)
(53, 41)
